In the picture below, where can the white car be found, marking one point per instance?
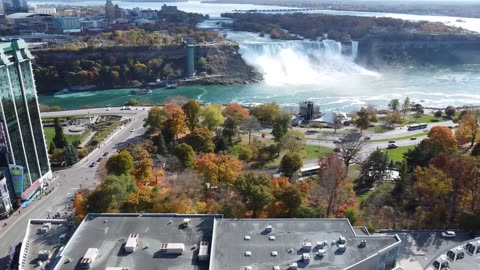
(448, 234)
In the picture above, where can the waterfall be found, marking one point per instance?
(303, 62)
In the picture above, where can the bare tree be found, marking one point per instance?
(332, 181)
(350, 148)
(251, 125)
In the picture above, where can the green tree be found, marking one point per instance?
(70, 155)
(229, 130)
(291, 198)
(191, 110)
(200, 139)
(212, 116)
(242, 152)
(185, 154)
(476, 150)
(281, 124)
(132, 102)
(450, 111)
(394, 104)
(363, 120)
(161, 146)
(290, 163)
(121, 163)
(51, 148)
(156, 118)
(293, 141)
(353, 215)
(374, 168)
(59, 139)
(406, 106)
(251, 125)
(256, 191)
(266, 112)
(110, 196)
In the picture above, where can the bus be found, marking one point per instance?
(417, 127)
(309, 171)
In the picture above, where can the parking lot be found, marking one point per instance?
(419, 248)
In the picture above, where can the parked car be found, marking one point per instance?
(367, 138)
(392, 141)
(392, 146)
(105, 154)
(99, 159)
(337, 141)
(448, 234)
(92, 164)
(413, 139)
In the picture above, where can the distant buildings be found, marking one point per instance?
(23, 153)
(308, 110)
(67, 24)
(169, 9)
(46, 10)
(15, 6)
(112, 12)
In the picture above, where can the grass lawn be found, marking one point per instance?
(401, 138)
(379, 129)
(50, 133)
(426, 118)
(397, 153)
(316, 151)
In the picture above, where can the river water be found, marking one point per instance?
(297, 71)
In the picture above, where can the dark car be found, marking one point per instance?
(105, 154)
(92, 164)
(99, 159)
(413, 139)
(392, 146)
(392, 141)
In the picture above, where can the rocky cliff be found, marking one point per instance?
(418, 49)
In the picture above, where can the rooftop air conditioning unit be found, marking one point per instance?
(271, 238)
(248, 268)
(321, 252)
(89, 258)
(342, 239)
(246, 237)
(268, 228)
(342, 248)
(276, 267)
(274, 253)
(203, 251)
(186, 222)
(293, 266)
(132, 243)
(172, 248)
(116, 268)
(248, 253)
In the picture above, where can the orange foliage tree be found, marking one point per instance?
(176, 121)
(236, 112)
(468, 130)
(218, 169)
(442, 140)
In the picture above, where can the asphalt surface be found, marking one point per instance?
(67, 181)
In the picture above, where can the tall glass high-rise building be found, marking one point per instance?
(14, 6)
(22, 142)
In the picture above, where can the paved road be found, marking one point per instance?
(66, 183)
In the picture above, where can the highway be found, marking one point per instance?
(67, 181)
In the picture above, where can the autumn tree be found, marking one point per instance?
(230, 129)
(218, 169)
(256, 191)
(363, 119)
(175, 123)
(468, 130)
(161, 145)
(288, 198)
(121, 163)
(110, 196)
(431, 191)
(156, 118)
(293, 141)
(266, 113)
(212, 116)
(142, 169)
(79, 204)
(200, 139)
(139, 201)
(191, 110)
(251, 125)
(290, 163)
(441, 139)
(185, 154)
(331, 187)
(236, 112)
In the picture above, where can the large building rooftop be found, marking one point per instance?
(109, 234)
(233, 238)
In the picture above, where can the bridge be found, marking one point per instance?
(272, 10)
